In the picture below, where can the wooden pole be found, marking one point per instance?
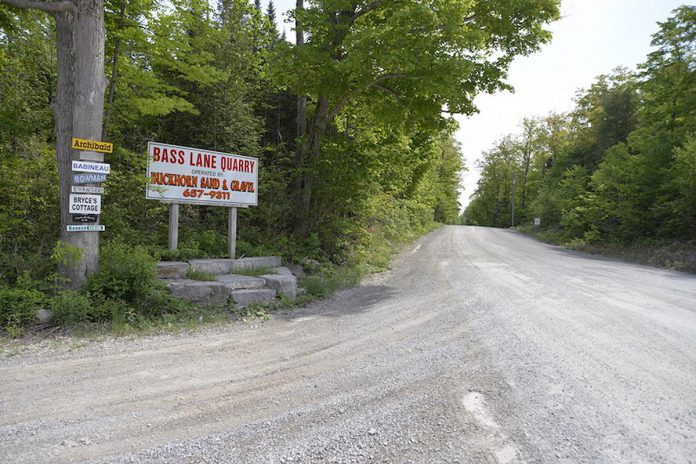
(173, 225)
(232, 233)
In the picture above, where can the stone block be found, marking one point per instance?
(212, 266)
(199, 292)
(282, 270)
(259, 262)
(172, 269)
(248, 296)
(284, 284)
(297, 270)
(240, 282)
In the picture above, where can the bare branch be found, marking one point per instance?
(64, 6)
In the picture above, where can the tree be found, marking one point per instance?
(420, 57)
(78, 106)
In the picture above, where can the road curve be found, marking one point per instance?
(479, 346)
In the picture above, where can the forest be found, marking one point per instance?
(352, 124)
(619, 168)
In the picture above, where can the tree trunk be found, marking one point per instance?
(114, 72)
(62, 113)
(87, 112)
(313, 149)
(301, 130)
(301, 120)
(78, 109)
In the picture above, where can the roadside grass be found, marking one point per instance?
(664, 254)
(200, 275)
(321, 282)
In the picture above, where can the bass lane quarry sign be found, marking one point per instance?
(202, 177)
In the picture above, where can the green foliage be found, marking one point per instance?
(70, 307)
(331, 280)
(18, 307)
(620, 167)
(683, 188)
(128, 274)
(200, 275)
(29, 212)
(384, 166)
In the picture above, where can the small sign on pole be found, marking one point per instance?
(83, 218)
(91, 145)
(88, 178)
(537, 221)
(91, 156)
(87, 189)
(85, 204)
(89, 166)
(86, 228)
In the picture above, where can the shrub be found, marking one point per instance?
(126, 273)
(70, 307)
(185, 252)
(18, 307)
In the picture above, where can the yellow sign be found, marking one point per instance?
(92, 145)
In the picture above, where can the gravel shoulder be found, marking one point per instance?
(480, 345)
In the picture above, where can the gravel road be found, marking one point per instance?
(479, 346)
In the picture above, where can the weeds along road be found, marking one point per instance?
(479, 346)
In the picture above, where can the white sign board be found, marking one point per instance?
(202, 177)
(88, 166)
(90, 204)
(87, 189)
(81, 228)
(88, 178)
(537, 221)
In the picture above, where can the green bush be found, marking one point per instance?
(18, 307)
(71, 307)
(128, 274)
(184, 252)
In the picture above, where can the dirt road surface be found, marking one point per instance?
(479, 346)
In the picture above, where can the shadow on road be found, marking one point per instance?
(354, 300)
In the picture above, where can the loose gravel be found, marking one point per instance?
(479, 346)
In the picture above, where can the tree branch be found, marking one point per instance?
(64, 6)
(344, 99)
(366, 9)
(392, 92)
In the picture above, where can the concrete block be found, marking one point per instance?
(248, 296)
(284, 284)
(240, 282)
(259, 262)
(199, 292)
(212, 266)
(172, 269)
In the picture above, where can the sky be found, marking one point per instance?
(593, 37)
